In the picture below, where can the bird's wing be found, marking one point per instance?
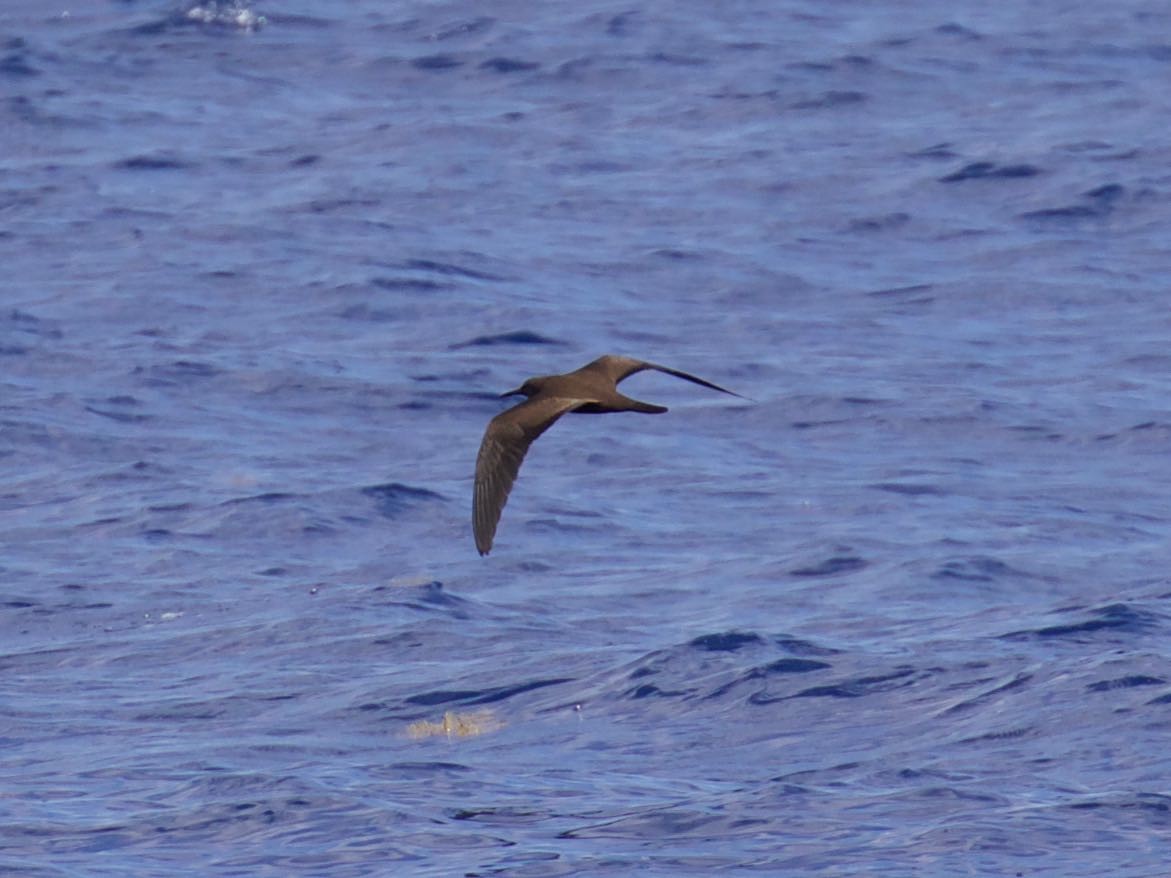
(617, 368)
(505, 443)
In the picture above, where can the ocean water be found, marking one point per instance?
(905, 611)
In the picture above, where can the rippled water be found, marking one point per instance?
(905, 612)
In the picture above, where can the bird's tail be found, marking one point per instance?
(645, 407)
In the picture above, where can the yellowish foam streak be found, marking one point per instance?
(456, 725)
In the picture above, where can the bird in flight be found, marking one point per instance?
(592, 389)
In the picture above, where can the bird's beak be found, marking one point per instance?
(517, 392)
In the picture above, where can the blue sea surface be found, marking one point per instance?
(904, 611)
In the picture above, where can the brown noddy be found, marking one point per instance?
(592, 389)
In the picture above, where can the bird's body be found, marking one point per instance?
(592, 389)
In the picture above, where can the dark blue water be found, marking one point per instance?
(906, 612)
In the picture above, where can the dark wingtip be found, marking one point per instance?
(731, 392)
(695, 379)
